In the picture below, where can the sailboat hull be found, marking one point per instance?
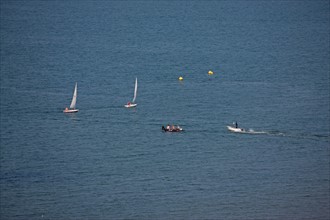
(70, 110)
(130, 106)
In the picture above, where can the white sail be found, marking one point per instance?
(135, 91)
(74, 98)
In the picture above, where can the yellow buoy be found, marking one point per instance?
(180, 78)
(210, 72)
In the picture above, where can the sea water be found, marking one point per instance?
(271, 74)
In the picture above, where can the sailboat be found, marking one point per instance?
(133, 104)
(72, 108)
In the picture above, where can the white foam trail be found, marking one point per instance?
(287, 134)
(251, 131)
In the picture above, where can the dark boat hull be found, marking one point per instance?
(172, 130)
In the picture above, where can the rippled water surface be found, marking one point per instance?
(271, 74)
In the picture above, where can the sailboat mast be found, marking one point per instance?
(74, 98)
(135, 90)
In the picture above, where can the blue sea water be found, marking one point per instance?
(271, 74)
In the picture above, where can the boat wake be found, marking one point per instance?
(251, 131)
(288, 134)
(311, 136)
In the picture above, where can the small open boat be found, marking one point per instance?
(172, 128)
(133, 104)
(72, 108)
(237, 130)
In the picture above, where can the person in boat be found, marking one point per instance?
(236, 125)
(128, 103)
(66, 109)
(168, 127)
